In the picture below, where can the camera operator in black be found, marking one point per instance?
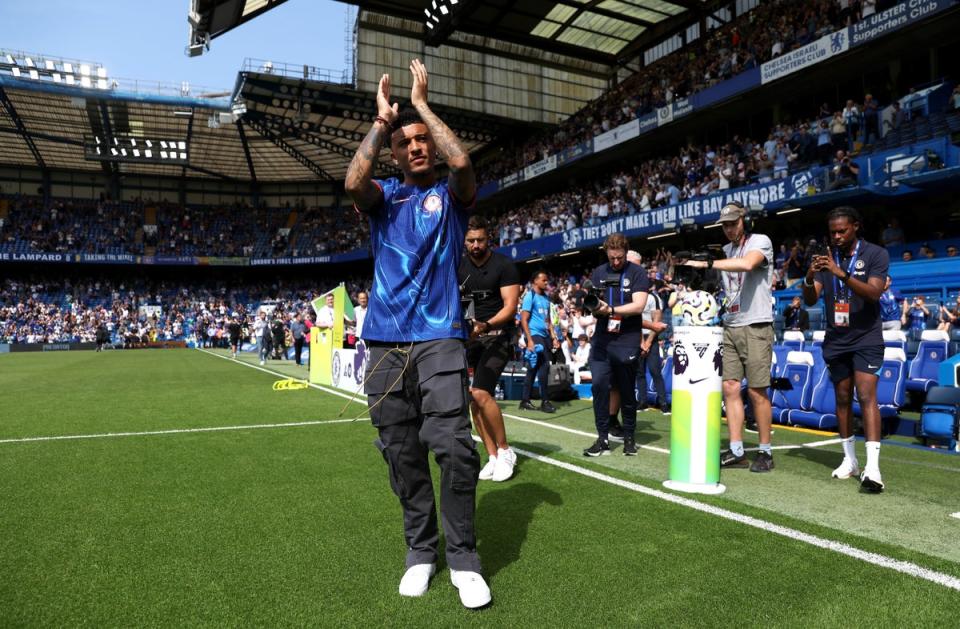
(616, 341)
(491, 279)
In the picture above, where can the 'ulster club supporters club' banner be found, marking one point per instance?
(820, 50)
(894, 18)
(538, 168)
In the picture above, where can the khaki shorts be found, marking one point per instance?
(748, 352)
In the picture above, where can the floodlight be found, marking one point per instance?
(136, 152)
(429, 25)
(29, 62)
(163, 144)
(183, 156)
(68, 67)
(148, 153)
(149, 144)
(98, 150)
(70, 80)
(49, 65)
(163, 155)
(101, 84)
(34, 75)
(97, 138)
(182, 145)
(11, 60)
(114, 152)
(84, 81)
(16, 71)
(101, 72)
(427, 12)
(133, 141)
(444, 9)
(123, 152)
(57, 78)
(84, 69)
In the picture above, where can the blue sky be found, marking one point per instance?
(145, 39)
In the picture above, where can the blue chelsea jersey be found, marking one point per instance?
(417, 240)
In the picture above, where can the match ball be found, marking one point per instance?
(698, 308)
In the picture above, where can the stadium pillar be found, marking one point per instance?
(45, 184)
(695, 422)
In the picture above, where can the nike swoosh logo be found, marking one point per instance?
(395, 201)
(873, 366)
(698, 380)
(631, 357)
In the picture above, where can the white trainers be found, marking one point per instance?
(261, 362)
(474, 591)
(506, 460)
(487, 472)
(416, 579)
(871, 481)
(848, 468)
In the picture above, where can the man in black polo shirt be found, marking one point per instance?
(851, 278)
(616, 342)
(493, 282)
(235, 331)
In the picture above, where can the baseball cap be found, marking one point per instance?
(731, 212)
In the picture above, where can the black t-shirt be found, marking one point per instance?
(631, 279)
(491, 276)
(234, 329)
(866, 328)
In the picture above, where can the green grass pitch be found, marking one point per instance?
(296, 525)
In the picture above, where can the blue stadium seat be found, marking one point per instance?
(940, 415)
(780, 359)
(930, 353)
(798, 371)
(821, 412)
(793, 339)
(891, 388)
(895, 338)
(816, 337)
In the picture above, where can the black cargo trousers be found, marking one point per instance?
(419, 399)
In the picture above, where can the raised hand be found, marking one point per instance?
(384, 109)
(418, 93)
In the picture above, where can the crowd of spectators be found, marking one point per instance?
(49, 310)
(238, 230)
(771, 29)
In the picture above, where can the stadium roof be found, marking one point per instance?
(285, 124)
(607, 32)
(601, 31)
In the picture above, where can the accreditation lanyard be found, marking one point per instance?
(841, 298)
(614, 321)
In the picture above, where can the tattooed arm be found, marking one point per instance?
(359, 181)
(462, 181)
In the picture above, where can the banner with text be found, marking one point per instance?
(813, 53)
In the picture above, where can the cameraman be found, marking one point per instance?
(491, 279)
(622, 288)
(746, 274)
(845, 172)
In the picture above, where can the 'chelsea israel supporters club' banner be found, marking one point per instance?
(701, 210)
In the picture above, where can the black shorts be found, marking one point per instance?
(864, 359)
(487, 356)
(234, 341)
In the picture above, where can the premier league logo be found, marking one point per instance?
(359, 362)
(680, 359)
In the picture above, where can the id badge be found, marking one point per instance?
(841, 314)
(613, 324)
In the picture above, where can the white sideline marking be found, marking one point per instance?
(174, 431)
(576, 432)
(904, 567)
(955, 515)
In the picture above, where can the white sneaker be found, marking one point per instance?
(261, 362)
(506, 460)
(474, 591)
(416, 579)
(487, 472)
(871, 481)
(848, 468)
